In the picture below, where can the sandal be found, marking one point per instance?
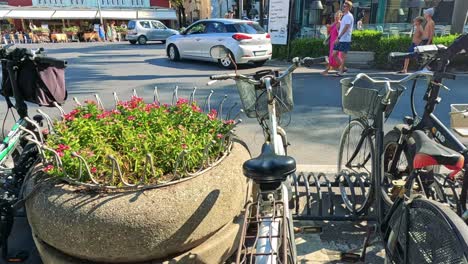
(402, 72)
(339, 74)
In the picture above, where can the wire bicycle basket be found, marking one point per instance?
(364, 98)
(255, 98)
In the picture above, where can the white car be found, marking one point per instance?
(246, 40)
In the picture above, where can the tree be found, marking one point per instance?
(179, 4)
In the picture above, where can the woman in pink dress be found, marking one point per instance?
(333, 32)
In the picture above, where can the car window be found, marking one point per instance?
(131, 25)
(215, 27)
(145, 24)
(197, 28)
(248, 28)
(157, 25)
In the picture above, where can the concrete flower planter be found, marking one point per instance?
(138, 226)
(360, 59)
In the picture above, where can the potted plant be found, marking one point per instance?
(71, 30)
(141, 182)
(41, 31)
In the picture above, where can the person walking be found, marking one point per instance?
(114, 32)
(109, 32)
(418, 32)
(343, 41)
(333, 35)
(102, 35)
(429, 28)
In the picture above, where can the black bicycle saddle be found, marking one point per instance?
(269, 167)
(430, 153)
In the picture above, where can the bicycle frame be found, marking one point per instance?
(11, 140)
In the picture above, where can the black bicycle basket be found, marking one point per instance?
(40, 81)
(254, 98)
(364, 98)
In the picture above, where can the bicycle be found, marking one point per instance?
(18, 150)
(399, 142)
(414, 229)
(265, 96)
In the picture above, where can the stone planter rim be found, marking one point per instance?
(190, 176)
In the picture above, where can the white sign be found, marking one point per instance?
(278, 19)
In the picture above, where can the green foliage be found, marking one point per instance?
(121, 30)
(72, 29)
(365, 40)
(132, 131)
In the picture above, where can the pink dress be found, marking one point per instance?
(333, 36)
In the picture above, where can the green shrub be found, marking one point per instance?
(365, 40)
(306, 47)
(387, 45)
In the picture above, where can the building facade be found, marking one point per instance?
(197, 9)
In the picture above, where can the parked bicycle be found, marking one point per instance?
(414, 229)
(27, 76)
(399, 143)
(267, 95)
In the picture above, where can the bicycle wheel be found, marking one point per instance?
(356, 158)
(425, 231)
(402, 168)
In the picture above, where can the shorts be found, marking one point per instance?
(413, 45)
(342, 46)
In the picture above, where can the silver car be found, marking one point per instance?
(142, 31)
(246, 40)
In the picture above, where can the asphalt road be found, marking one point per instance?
(314, 126)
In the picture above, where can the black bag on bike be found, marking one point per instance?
(40, 81)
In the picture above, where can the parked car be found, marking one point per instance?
(142, 31)
(246, 41)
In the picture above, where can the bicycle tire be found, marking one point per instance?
(435, 234)
(24, 163)
(348, 144)
(390, 143)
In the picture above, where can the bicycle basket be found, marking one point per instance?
(364, 99)
(255, 99)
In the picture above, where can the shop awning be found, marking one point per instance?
(117, 14)
(30, 14)
(75, 14)
(164, 14)
(3, 12)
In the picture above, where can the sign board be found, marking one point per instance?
(278, 20)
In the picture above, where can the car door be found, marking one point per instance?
(157, 30)
(215, 34)
(188, 43)
(144, 29)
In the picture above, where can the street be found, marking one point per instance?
(314, 126)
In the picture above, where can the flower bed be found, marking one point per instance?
(146, 143)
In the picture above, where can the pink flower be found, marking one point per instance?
(228, 122)
(182, 101)
(62, 147)
(45, 131)
(86, 116)
(195, 108)
(219, 136)
(131, 118)
(48, 168)
(60, 153)
(93, 170)
(116, 112)
(184, 146)
(212, 115)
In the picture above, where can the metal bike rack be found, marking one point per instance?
(324, 198)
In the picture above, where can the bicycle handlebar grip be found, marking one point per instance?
(308, 61)
(220, 77)
(402, 55)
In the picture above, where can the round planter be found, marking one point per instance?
(135, 226)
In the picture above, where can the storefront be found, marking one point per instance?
(311, 16)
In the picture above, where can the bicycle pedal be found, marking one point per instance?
(18, 257)
(310, 229)
(350, 257)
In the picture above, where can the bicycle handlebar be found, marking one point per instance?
(296, 62)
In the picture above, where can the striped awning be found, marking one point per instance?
(118, 14)
(30, 14)
(75, 14)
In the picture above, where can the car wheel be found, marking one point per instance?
(259, 63)
(227, 63)
(173, 53)
(142, 40)
(133, 42)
